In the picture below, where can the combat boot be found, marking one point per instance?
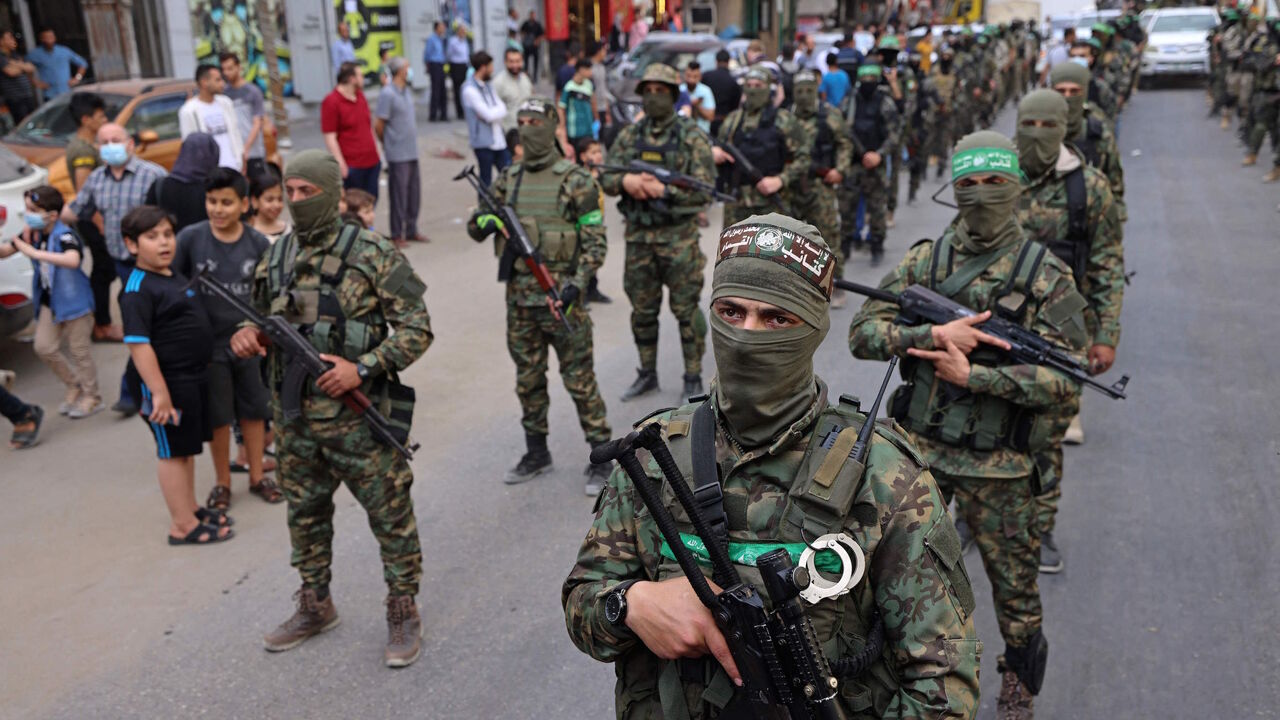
(1248, 160)
(536, 461)
(1272, 176)
(877, 251)
(692, 385)
(646, 382)
(1051, 562)
(404, 631)
(313, 616)
(1016, 701)
(1075, 432)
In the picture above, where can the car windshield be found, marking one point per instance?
(12, 166)
(675, 57)
(52, 123)
(1183, 23)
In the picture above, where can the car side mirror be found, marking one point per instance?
(146, 137)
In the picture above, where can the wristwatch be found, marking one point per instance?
(615, 604)
(363, 371)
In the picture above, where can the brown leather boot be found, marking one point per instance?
(1272, 176)
(404, 631)
(1250, 159)
(1015, 702)
(312, 618)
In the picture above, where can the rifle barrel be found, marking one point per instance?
(867, 290)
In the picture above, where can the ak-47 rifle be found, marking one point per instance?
(748, 170)
(918, 304)
(304, 364)
(668, 177)
(518, 244)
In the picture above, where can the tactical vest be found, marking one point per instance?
(1073, 248)
(763, 145)
(646, 213)
(535, 196)
(938, 410)
(868, 126)
(827, 496)
(824, 142)
(945, 85)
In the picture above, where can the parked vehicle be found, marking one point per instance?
(674, 49)
(17, 176)
(1178, 42)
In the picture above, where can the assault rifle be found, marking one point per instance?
(304, 364)
(785, 676)
(745, 167)
(668, 177)
(518, 244)
(918, 304)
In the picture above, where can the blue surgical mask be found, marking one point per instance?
(35, 221)
(1082, 62)
(114, 154)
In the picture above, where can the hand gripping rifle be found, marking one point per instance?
(744, 166)
(304, 363)
(668, 177)
(785, 676)
(518, 244)
(919, 304)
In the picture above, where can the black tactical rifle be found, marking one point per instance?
(918, 304)
(785, 676)
(668, 177)
(304, 364)
(518, 244)
(747, 169)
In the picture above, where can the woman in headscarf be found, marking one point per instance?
(181, 194)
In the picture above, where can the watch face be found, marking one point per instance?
(613, 605)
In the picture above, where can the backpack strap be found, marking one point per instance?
(1077, 214)
(707, 492)
(334, 264)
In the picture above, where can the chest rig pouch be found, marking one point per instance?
(657, 213)
(763, 145)
(956, 416)
(535, 196)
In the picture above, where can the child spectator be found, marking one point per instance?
(26, 418)
(170, 342)
(589, 153)
(266, 197)
(578, 103)
(360, 204)
(835, 84)
(229, 251)
(63, 299)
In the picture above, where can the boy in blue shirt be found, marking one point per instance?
(835, 84)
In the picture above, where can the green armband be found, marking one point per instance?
(595, 217)
(489, 221)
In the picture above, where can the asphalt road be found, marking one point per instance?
(1167, 608)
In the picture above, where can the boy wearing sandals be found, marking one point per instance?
(170, 342)
(229, 251)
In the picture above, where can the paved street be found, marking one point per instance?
(1167, 608)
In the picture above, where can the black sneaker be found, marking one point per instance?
(597, 475)
(1051, 562)
(595, 296)
(692, 385)
(533, 464)
(877, 255)
(125, 407)
(646, 382)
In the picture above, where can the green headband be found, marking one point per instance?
(985, 160)
(869, 70)
(1104, 28)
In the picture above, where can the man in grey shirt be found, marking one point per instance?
(395, 127)
(251, 114)
(512, 85)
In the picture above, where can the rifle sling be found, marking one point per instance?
(707, 492)
(971, 269)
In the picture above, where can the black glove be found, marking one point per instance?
(569, 295)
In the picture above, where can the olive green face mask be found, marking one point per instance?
(658, 106)
(805, 97)
(755, 98)
(538, 141)
(1039, 146)
(987, 211)
(314, 216)
(1075, 113)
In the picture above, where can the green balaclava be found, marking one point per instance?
(755, 98)
(986, 211)
(659, 106)
(1040, 146)
(314, 217)
(1069, 72)
(804, 93)
(538, 141)
(764, 378)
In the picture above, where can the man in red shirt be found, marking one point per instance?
(348, 131)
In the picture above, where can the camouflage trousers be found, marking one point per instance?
(314, 458)
(868, 185)
(530, 331)
(1234, 88)
(1266, 121)
(939, 138)
(894, 184)
(737, 212)
(1001, 513)
(677, 262)
(819, 206)
(1049, 465)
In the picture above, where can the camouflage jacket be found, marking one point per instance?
(694, 159)
(916, 581)
(1109, 161)
(874, 335)
(840, 139)
(1232, 43)
(797, 166)
(571, 260)
(1260, 58)
(944, 88)
(379, 288)
(1042, 213)
(1103, 95)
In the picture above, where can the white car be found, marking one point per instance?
(17, 176)
(1178, 42)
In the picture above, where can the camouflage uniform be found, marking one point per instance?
(994, 489)
(1233, 51)
(795, 163)
(812, 199)
(662, 248)
(874, 126)
(329, 445)
(1042, 213)
(1097, 142)
(1265, 104)
(945, 88)
(573, 249)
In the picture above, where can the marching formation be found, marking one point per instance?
(1244, 58)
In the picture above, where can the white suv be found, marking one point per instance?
(1178, 42)
(17, 176)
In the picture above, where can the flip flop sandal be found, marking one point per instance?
(219, 498)
(217, 518)
(239, 468)
(23, 439)
(202, 534)
(268, 491)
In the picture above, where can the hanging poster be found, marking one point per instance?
(375, 28)
(219, 26)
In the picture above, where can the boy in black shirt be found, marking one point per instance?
(229, 250)
(170, 342)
